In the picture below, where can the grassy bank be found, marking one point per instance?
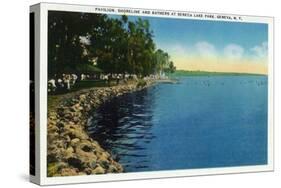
(55, 99)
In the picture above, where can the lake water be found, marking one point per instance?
(202, 122)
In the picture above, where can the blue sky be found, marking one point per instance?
(185, 32)
(228, 41)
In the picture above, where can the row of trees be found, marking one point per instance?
(82, 43)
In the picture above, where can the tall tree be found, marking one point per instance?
(115, 45)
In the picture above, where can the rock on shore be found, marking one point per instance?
(70, 149)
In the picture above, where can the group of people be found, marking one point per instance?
(118, 77)
(65, 82)
(156, 77)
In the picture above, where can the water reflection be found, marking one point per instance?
(123, 126)
(203, 122)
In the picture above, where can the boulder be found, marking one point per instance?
(112, 169)
(75, 132)
(82, 97)
(75, 162)
(86, 152)
(98, 170)
(69, 172)
(68, 153)
(55, 168)
(74, 142)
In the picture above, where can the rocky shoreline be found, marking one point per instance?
(70, 149)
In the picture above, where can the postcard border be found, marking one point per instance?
(41, 163)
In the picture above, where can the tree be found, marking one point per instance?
(65, 50)
(117, 45)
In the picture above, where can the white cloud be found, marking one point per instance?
(260, 51)
(205, 49)
(233, 51)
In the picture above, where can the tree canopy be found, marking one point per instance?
(89, 43)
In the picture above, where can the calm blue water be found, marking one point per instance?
(217, 121)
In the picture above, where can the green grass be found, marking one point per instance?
(141, 83)
(84, 85)
(88, 84)
(54, 99)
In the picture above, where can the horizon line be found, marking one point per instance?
(206, 71)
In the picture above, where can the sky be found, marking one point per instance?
(216, 46)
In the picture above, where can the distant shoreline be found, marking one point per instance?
(206, 73)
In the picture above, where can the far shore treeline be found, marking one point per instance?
(87, 43)
(207, 73)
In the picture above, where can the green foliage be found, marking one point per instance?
(79, 42)
(87, 69)
(141, 83)
(205, 73)
(52, 169)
